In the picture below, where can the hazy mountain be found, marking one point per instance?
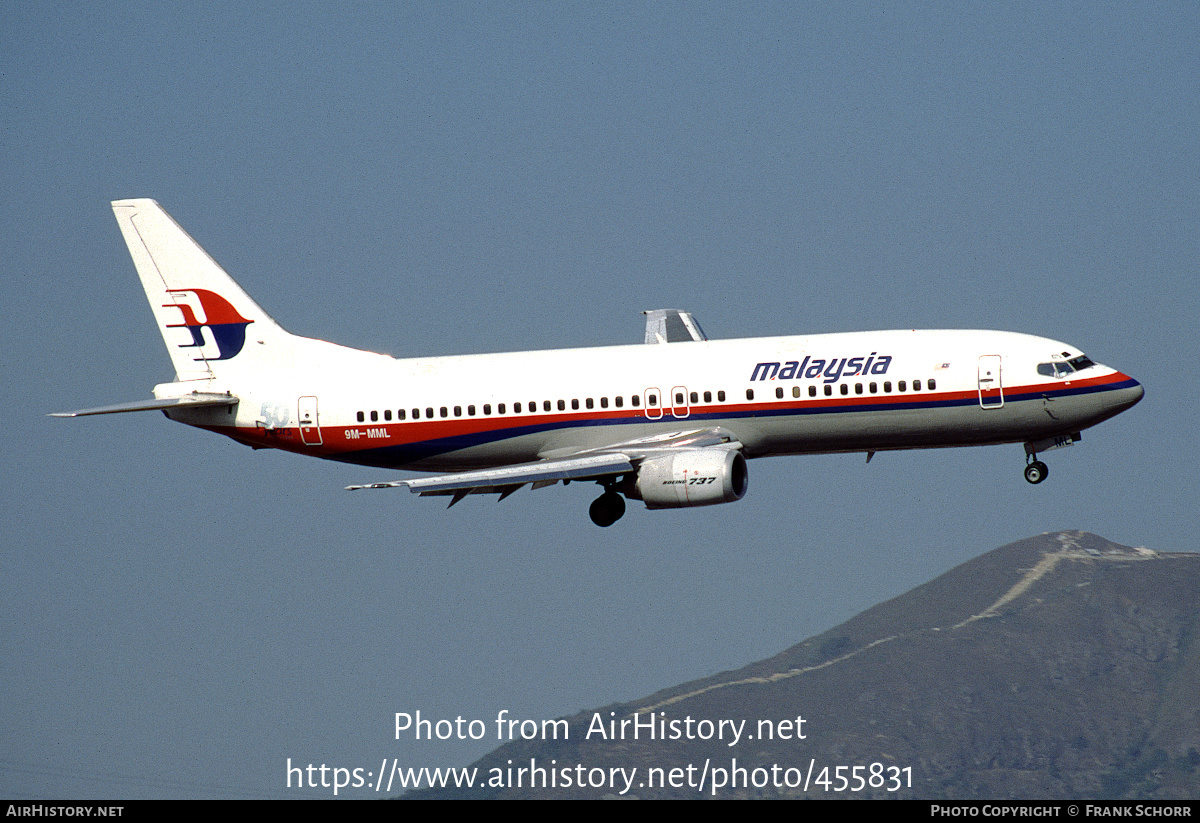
(1062, 666)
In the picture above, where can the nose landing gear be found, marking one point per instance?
(1036, 471)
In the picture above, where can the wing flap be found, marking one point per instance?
(508, 479)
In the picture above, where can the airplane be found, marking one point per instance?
(670, 422)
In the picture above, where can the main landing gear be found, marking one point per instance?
(607, 508)
(1036, 470)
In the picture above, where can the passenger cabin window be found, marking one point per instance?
(749, 394)
(619, 400)
(721, 396)
(362, 417)
(708, 397)
(779, 393)
(932, 384)
(916, 385)
(604, 402)
(635, 400)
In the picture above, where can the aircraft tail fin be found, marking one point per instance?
(207, 321)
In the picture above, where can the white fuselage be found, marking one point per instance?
(862, 391)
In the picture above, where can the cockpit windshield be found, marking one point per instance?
(1061, 368)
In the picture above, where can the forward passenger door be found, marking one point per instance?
(991, 386)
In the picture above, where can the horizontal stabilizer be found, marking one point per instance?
(188, 401)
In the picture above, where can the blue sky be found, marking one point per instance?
(182, 615)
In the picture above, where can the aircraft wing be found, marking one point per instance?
(508, 479)
(618, 458)
(672, 326)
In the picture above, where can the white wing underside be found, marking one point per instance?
(588, 464)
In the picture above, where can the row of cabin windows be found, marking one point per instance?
(619, 401)
(844, 388)
(517, 408)
(635, 401)
(695, 397)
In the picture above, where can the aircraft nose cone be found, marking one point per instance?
(1130, 393)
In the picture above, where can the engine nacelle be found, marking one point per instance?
(701, 477)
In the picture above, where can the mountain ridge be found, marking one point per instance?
(1060, 666)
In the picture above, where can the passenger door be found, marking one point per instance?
(991, 386)
(310, 425)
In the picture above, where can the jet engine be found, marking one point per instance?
(700, 477)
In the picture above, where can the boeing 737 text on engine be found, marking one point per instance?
(670, 422)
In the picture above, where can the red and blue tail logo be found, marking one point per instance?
(228, 328)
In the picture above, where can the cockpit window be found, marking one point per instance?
(1061, 368)
(1057, 369)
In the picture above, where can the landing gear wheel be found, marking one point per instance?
(607, 509)
(1036, 472)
